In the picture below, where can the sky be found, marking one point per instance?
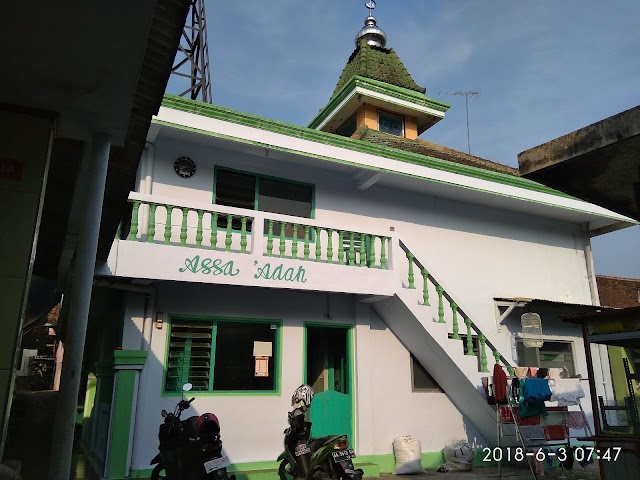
(542, 69)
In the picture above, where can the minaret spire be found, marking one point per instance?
(373, 34)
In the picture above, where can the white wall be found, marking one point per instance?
(476, 253)
(252, 426)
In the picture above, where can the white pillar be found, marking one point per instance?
(94, 174)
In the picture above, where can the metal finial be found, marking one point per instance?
(371, 5)
(373, 34)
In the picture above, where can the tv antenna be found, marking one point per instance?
(467, 94)
(194, 52)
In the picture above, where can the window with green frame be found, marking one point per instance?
(218, 355)
(266, 194)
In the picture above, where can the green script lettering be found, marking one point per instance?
(289, 275)
(208, 266)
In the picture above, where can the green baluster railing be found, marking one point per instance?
(183, 228)
(133, 231)
(372, 251)
(214, 231)
(454, 313)
(282, 245)
(363, 255)
(425, 287)
(294, 244)
(306, 242)
(440, 291)
(411, 278)
(483, 353)
(330, 245)
(496, 355)
(151, 227)
(199, 229)
(341, 247)
(270, 238)
(228, 237)
(318, 246)
(167, 226)
(467, 322)
(352, 248)
(243, 235)
(383, 252)
(119, 231)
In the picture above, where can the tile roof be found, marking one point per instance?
(377, 63)
(618, 292)
(429, 149)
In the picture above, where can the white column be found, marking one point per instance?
(93, 174)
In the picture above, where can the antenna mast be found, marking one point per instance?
(194, 52)
(467, 94)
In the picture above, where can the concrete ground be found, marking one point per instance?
(590, 472)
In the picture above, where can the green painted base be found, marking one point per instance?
(373, 466)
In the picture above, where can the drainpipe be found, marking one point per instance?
(145, 343)
(93, 172)
(146, 182)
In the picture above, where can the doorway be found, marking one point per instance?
(328, 371)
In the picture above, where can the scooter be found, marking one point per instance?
(307, 458)
(190, 449)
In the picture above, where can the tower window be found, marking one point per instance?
(392, 124)
(348, 128)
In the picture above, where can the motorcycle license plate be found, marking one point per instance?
(216, 464)
(340, 455)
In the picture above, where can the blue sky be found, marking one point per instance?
(542, 68)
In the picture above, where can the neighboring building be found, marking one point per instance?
(386, 271)
(619, 292)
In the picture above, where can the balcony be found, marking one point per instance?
(188, 241)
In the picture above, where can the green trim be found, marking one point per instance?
(379, 87)
(122, 409)
(540, 188)
(221, 393)
(228, 115)
(130, 357)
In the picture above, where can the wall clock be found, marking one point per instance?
(185, 167)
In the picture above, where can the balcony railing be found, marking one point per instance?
(219, 228)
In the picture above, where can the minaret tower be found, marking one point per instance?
(376, 90)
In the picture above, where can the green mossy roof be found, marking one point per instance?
(430, 149)
(377, 63)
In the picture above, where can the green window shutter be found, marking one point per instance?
(189, 356)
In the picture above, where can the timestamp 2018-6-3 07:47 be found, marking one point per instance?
(580, 454)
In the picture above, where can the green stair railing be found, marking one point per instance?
(475, 342)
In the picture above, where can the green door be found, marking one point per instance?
(328, 360)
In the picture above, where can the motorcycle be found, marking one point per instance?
(190, 449)
(306, 458)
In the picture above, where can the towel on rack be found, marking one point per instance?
(576, 420)
(499, 384)
(521, 372)
(537, 389)
(555, 373)
(567, 391)
(532, 433)
(555, 432)
(533, 371)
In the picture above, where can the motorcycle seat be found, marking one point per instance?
(315, 443)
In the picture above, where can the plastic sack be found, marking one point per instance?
(458, 456)
(408, 453)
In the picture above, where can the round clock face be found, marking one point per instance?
(185, 167)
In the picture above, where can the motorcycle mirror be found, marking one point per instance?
(187, 387)
(164, 413)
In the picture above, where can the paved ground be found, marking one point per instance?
(590, 472)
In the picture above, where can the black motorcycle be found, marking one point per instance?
(190, 449)
(304, 457)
